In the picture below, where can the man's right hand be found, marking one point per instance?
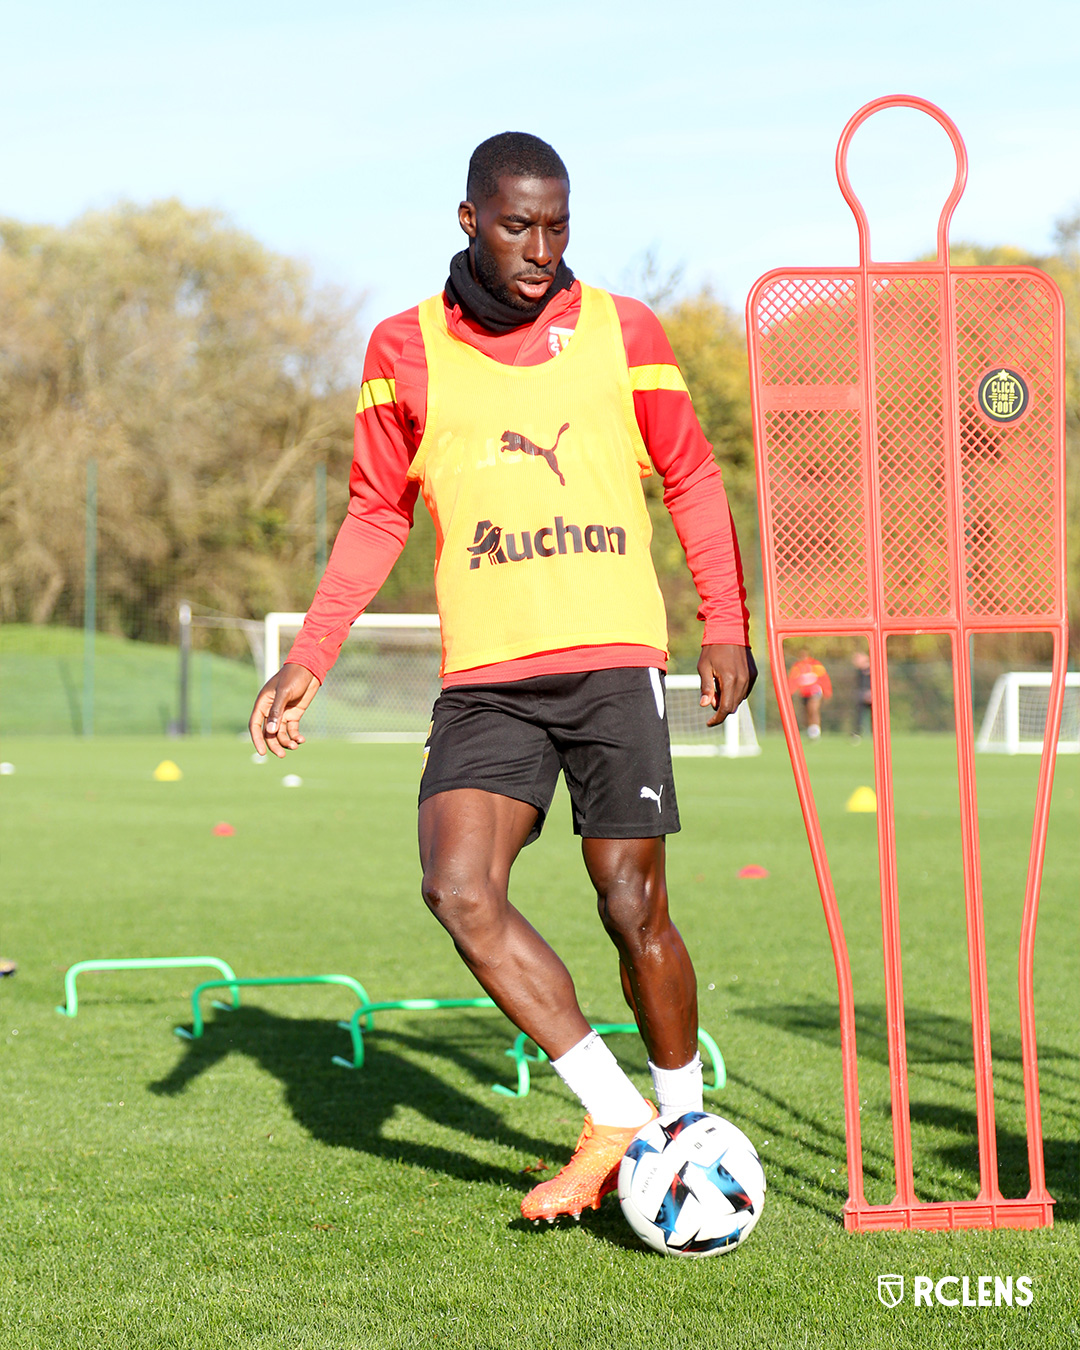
(275, 719)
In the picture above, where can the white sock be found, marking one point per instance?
(678, 1090)
(592, 1072)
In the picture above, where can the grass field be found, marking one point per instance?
(136, 685)
(242, 1191)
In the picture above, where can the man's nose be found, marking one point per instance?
(539, 249)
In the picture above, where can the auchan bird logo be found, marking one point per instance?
(515, 441)
(487, 544)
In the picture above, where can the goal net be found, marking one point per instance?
(1015, 720)
(383, 684)
(734, 738)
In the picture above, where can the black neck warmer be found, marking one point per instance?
(480, 305)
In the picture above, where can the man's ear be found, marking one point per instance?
(466, 214)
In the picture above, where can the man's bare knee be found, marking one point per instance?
(448, 896)
(468, 909)
(635, 914)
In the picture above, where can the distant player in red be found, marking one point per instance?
(809, 680)
(526, 408)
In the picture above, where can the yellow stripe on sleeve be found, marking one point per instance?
(657, 377)
(375, 392)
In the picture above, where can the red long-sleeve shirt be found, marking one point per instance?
(808, 677)
(390, 420)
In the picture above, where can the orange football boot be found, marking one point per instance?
(591, 1173)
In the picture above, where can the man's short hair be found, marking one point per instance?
(510, 154)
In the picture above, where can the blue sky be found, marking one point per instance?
(340, 132)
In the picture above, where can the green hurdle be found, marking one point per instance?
(363, 1014)
(198, 1026)
(362, 1018)
(70, 1007)
(522, 1058)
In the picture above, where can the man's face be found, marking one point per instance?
(518, 237)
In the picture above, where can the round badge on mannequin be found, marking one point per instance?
(1003, 395)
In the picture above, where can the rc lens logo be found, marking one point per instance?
(890, 1289)
(1002, 395)
(958, 1291)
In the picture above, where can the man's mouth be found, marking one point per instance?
(534, 287)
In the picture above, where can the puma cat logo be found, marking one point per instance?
(514, 440)
(647, 792)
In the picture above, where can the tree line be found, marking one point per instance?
(204, 375)
(207, 377)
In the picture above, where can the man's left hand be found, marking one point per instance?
(728, 673)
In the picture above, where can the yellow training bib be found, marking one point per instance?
(532, 475)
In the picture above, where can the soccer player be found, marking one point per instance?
(809, 680)
(863, 705)
(526, 407)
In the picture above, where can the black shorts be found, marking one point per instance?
(605, 729)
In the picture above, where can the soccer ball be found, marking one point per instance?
(691, 1185)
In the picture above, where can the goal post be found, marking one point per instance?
(1015, 720)
(382, 686)
(735, 738)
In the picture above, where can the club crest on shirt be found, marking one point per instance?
(558, 339)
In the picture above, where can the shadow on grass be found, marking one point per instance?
(806, 1161)
(1061, 1157)
(350, 1109)
(933, 1040)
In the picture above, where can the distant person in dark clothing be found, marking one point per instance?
(863, 707)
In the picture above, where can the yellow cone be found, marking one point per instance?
(862, 799)
(167, 772)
